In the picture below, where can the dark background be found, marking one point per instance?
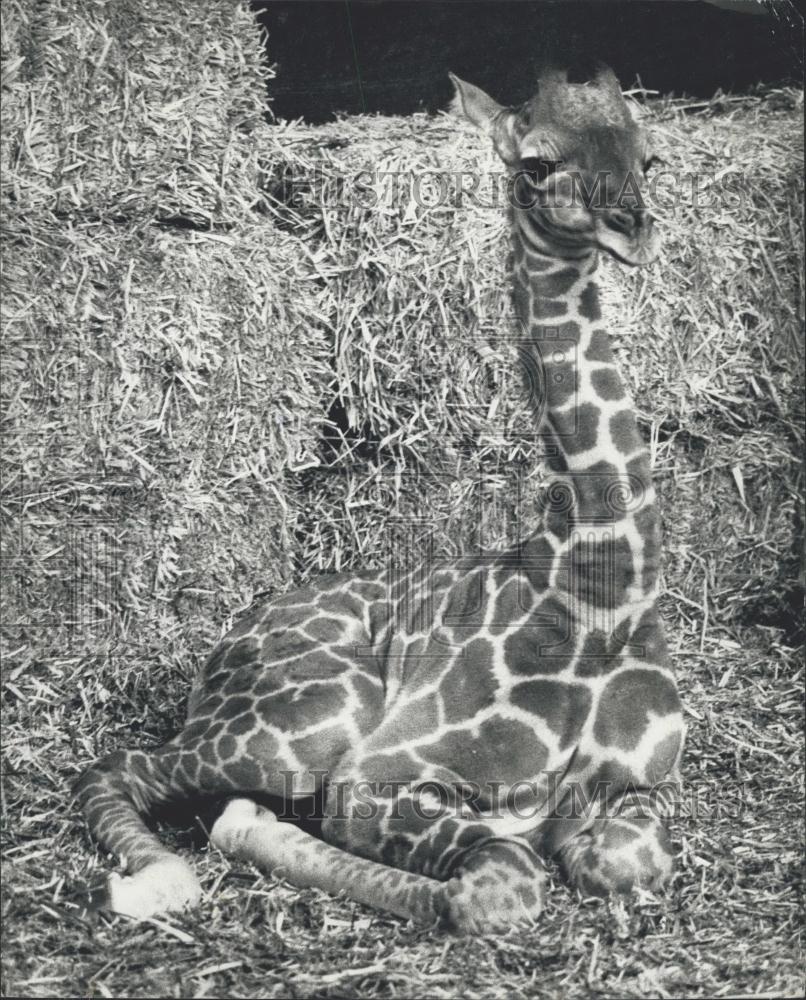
(392, 56)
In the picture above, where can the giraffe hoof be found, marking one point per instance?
(239, 816)
(468, 914)
(501, 885)
(161, 887)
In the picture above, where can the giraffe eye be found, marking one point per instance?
(539, 169)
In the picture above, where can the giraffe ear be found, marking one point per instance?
(488, 115)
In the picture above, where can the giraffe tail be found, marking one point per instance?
(115, 795)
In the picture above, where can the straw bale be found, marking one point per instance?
(431, 421)
(161, 386)
(109, 111)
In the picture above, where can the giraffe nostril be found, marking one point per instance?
(623, 220)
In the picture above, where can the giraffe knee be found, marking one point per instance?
(239, 817)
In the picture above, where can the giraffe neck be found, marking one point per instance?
(586, 421)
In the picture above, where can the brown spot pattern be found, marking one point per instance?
(623, 713)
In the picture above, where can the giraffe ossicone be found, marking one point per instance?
(464, 720)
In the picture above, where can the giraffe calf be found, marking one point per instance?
(492, 672)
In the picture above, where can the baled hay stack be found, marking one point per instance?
(125, 108)
(162, 371)
(432, 432)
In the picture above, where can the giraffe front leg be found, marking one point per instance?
(484, 882)
(628, 847)
(491, 882)
(499, 883)
(253, 834)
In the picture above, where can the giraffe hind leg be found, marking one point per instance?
(114, 794)
(163, 886)
(117, 792)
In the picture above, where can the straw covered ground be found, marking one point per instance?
(236, 354)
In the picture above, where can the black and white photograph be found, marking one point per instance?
(402, 504)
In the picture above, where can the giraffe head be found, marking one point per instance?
(578, 159)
